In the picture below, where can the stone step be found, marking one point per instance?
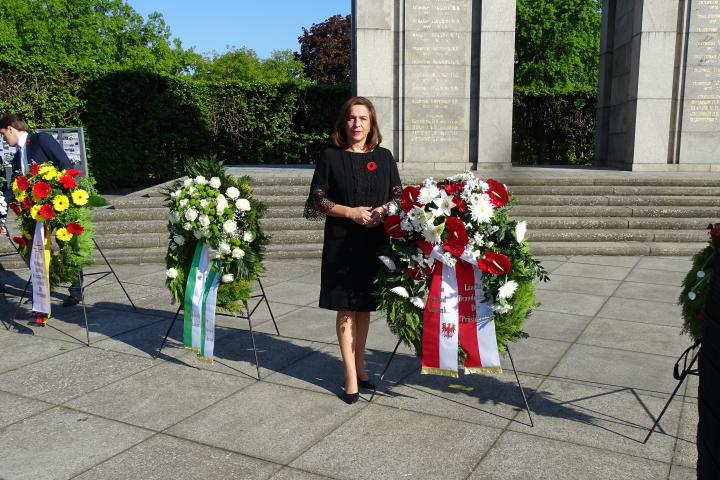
(582, 200)
(108, 227)
(139, 202)
(614, 211)
(615, 235)
(115, 256)
(129, 214)
(521, 190)
(616, 248)
(287, 224)
(616, 222)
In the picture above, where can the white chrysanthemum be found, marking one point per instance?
(418, 302)
(501, 308)
(248, 236)
(479, 239)
(507, 289)
(400, 292)
(406, 224)
(481, 210)
(428, 194)
(230, 226)
(179, 239)
(187, 226)
(393, 209)
(243, 204)
(200, 180)
(388, 262)
(228, 278)
(191, 214)
(187, 181)
(215, 182)
(232, 192)
(204, 220)
(171, 273)
(520, 230)
(203, 203)
(224, 248)
(238, 253)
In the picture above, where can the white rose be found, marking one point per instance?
(204, 220)
(215, 182)
(243, 204)
(187, 182)
(248, 237)
(200, 180)
(520, 230)
(179, 239)
(224, 248)
(203, 203)
(191, 190)
(232, 192)
(221, 204)
(228, 278)
(183, 202)
(187, 226)
(230, 226)
(238, 253)
(171, 273)
(191, 214)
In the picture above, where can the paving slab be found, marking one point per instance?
(159, 397)
(588, 270)
(15, 408)
(534, 355)
(517, 456)
(686, 451)
(616, 419)
(659, 277)
(267, 421)
(682, 473)
(610, 261)
(572, 303)
(644, 311)
(308, 323)
(361, 447)
(670, 264)
(62, 443)
(555, 326)
(593, 286)
(288, 473)
(70, 375)
(167, 458)
(634, 336)
(647, 291)
(26, 349)
(621, 368)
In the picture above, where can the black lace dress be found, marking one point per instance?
(349, 259)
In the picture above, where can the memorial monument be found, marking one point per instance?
(659, 93)
(440, 73)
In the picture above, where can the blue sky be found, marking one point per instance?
(263, 26)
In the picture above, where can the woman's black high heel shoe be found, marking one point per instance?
(366, 384)
(350, 398)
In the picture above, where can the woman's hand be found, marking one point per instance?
(360, 215)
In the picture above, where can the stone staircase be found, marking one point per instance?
(569, 212)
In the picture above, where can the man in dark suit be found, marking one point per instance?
(38, 148)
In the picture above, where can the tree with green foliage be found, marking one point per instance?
(325, 50)
(243, 64)
(557, 44)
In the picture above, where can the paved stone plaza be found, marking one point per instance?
(597, 369)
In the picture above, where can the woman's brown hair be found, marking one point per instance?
(339, 138)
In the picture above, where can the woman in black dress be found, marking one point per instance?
(352, 186)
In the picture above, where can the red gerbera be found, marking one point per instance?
(21, 242)
(495, 263)
(409, 198)
(498, 193)
(27, 203)
(22, 183)
(15, 208)
(46, 211)
(457, 237)
(75, 228)
(392, 226)
(67, 181)
(41, 189)
(34, 168)
(372, 166)
(73, 171)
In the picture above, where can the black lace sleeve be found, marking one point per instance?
(318, 204)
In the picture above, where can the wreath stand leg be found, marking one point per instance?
(680, 376)
(392, 356)
(262, 297)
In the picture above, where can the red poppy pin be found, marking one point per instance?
(372, 166)
(27, 141)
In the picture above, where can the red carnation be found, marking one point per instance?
(75, 228)
(457, 237)
(46, 211)
(409, 198)
(459, 203)
(392, 226)
(425, 247)
(34, 169)
(73, 171)
(495, 263)
(22, 183)
(41, 189)
(27, 203)
(498, 193)
(14, 207)
(21, 242)
(68, 181)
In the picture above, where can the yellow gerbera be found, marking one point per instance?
(80, 197)
(61, 203)
(63, 235)
(48, 172)
(19, 196)
(34, 212)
